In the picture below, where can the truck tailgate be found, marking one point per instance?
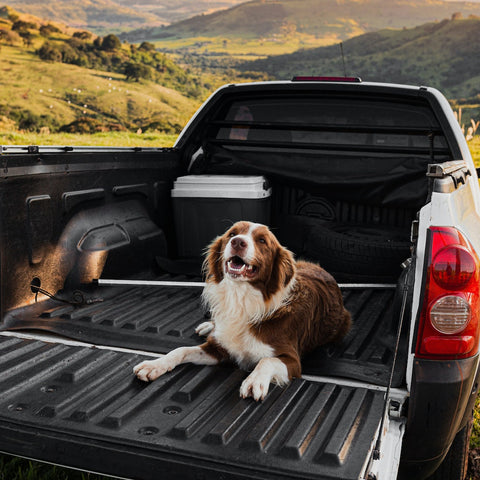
(82, 407)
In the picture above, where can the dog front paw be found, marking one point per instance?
(152, 369)
(204, 328)
(255, 386)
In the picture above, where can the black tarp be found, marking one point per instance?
(388, 181)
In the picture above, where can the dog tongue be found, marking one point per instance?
(237, 262)
(236, 266)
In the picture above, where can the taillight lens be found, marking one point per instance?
(453, 267)
(450, 314)
(449, 323)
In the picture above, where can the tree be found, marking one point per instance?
(82, 35)
(111, 42)
(147, 47)
(47, 30)
(26, 37)
(136, 71)
(77, 44)
(50, 53)
(9, 37)
(20, 26)
(69, 54)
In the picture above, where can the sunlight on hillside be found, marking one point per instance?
(38, 94)
(244, 48)
(104, 139)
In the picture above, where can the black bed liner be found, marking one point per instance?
(83, 407)
(158, 319)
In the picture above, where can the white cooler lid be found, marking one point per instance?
(221, 186)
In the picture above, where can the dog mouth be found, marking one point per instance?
(237, 268)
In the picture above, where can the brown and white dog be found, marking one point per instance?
(267, 311)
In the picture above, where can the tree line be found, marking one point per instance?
(108, 53)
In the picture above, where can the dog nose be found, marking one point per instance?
(238, 243)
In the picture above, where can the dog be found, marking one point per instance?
(267, 311)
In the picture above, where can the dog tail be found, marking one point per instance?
(344, 326)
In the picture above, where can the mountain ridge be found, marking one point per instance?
(115, 16)
(336, 19)
(438, 54)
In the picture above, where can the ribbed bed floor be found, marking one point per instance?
(159, 319)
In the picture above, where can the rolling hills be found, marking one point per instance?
(51, 95)
(53, 78)
(440, 54)
(98, 15)
(169, 11)
(330, 20)
(82, 82)
(114, 16)
(317, 21)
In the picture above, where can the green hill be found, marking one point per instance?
(56, 79)
(441, 54)
(36, 94)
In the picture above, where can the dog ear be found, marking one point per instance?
(212, 266)
(286, 265)
(283, 270)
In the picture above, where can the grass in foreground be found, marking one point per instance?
(475, 438)
(14, 468)
(108, 139)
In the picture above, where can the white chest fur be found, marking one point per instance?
(235, 307)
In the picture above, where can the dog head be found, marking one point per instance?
(250, 252)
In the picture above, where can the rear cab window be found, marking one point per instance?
(312, 121)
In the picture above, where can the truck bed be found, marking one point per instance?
(158, 319)
(55, 407)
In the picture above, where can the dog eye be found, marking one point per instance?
(262, 240)
(232, 234)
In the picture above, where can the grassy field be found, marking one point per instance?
(107, 139)
(14, 468)
(242, 47)
(53, 94)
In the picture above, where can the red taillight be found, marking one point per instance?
(449, 323)
(453, 267)
(311, 78)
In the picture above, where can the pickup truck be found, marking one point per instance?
(100, 268)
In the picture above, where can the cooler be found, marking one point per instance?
(205, 206)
